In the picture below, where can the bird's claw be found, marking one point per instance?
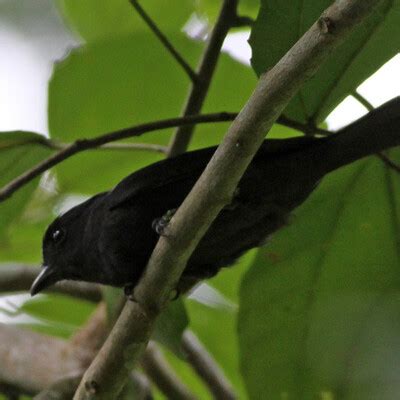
(160, 224)
(128, 291)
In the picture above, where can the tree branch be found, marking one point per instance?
(215, 188)
(85, 144)
(243, 21)
(206, 69)
(55, 145)
(206, 367)
(164, 40)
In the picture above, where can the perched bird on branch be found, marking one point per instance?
(109, 238)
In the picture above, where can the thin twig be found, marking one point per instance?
(121, 146)
(164, 40)
(85, 144)
(206, 367)
(55, 145)
(215, 188)
(362, 100)
(206, 69)
(159, 371)
(243, 21)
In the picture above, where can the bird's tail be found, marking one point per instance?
(375, 132)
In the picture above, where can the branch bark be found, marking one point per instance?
(164, 40)
(108, 373)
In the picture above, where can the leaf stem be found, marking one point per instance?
(164, 40)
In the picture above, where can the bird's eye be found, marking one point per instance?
(58, 235)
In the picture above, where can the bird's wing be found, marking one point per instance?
(185, 167)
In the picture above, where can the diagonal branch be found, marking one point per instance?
(164, 40)
(215, 188)
(206, 69)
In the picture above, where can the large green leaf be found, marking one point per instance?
(111, 85)
(103, 19)
(320, 307)
(19, 151)
(282, 22)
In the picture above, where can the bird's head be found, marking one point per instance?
(64, 248)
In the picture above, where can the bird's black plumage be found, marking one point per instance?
(109, 238)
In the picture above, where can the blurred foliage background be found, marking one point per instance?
(316, 311)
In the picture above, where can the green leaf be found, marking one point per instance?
(319, 309)
(19, 151)
(105, 86)
(281, 23)
(103, 19)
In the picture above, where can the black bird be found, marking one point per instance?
(109, 238)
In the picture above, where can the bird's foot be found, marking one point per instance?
(128, 291)
(160, 224)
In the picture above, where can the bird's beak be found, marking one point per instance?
(47, 277)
